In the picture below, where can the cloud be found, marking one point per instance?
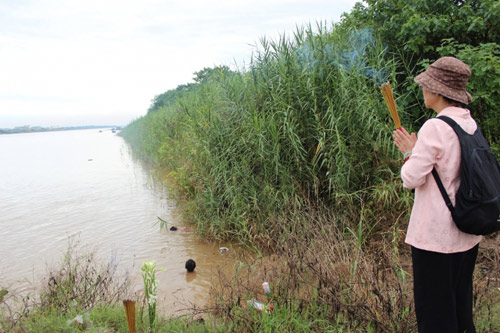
(110, 58)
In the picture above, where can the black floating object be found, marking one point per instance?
(190, 265)
(173, 228)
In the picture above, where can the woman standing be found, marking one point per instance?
(443, 257)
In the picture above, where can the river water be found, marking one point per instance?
(85, 187)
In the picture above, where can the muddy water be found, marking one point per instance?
(84, 188)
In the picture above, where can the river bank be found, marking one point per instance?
(352, 295)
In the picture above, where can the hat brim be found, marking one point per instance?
(437, 87)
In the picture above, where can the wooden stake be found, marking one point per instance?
(130, 313)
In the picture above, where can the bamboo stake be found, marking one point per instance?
(391, 104)
(130, 313)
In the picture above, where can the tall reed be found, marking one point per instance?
(305, 121)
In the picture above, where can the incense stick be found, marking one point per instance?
(391, 104)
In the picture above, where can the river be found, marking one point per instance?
(85, 187)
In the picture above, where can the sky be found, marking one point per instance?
(102, 62)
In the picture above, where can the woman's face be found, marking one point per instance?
(430, 98)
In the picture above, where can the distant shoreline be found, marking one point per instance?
(38, 129)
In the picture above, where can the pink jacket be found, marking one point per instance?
(431, 226)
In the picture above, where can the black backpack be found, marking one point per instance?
(477, 202)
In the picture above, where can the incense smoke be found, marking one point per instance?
(350, 57)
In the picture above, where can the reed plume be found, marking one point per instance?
(391, 104)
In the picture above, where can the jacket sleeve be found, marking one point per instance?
(427, 150)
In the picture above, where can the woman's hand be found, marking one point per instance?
(403, 140)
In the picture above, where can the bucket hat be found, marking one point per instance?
(448, 77)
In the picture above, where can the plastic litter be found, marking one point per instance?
(259, 306)
(80, 321)
(267, 291)
(256, 305)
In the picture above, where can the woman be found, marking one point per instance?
(443, 257)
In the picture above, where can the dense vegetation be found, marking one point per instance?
(305, 124)
(423, 31)
(294, 156)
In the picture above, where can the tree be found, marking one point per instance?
(418, 32)
(170, 96)
(211, 73)
(420, 26)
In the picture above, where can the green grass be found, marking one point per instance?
(102, 318)
(111, 318)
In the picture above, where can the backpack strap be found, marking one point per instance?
(445, 195)
(449, 121)
(459, 131)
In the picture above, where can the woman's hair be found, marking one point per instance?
(453, 102)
